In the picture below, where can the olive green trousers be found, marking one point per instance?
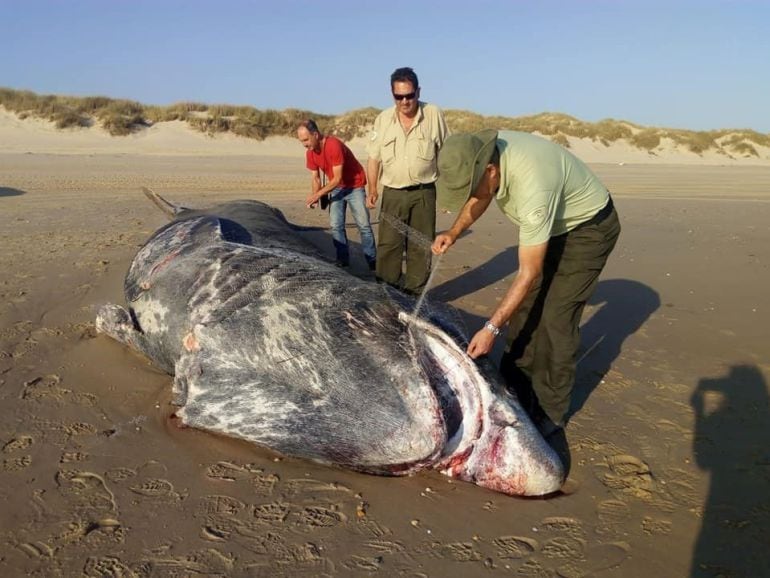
(543, 339)
(407, 223)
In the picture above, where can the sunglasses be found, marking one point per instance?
(401, 97)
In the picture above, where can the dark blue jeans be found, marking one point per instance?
(341, 199)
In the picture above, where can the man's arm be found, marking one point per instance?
(531, 259)
(470, 212)
(315, 186)
(373, 177)
(443, 131)
(318, 190)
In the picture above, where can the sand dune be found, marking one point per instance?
(178, 138)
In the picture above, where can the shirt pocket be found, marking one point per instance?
(426, 150)
(388, 154)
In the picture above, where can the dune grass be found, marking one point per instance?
(123, 117)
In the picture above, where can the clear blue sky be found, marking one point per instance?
(697, 64)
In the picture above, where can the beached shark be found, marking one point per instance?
(268, 341)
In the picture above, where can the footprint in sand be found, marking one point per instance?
(16, 464)
(515, 547)
(218, 529)
(205, 562)
(363, 563)
(431, 548)
(563, 547)
(121, 474)
(216, 505)
(314, 517)
(534, 569)
(597, 559)
(35, 550)
(86, 489)
(294, 560)
(60, 434)
(231, 472)
(385, 546)
(369, 527)
(157, 488)
(652, 526)
(627, 474)
(98, 567)
(563, 525)
(303, 486)
(69, 457)
(273, 514)
(612, 516)
(459, 552)
(19, 443)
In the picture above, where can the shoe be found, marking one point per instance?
(372, 265)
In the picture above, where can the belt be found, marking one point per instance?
(601, 215)
(416, 187)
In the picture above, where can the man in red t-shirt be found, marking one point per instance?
(346, 182)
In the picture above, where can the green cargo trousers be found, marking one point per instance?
(407, 222)
(543, 339)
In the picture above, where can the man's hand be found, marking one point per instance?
(481, 344)
(371, 199)
(312, 200)
(442, 242)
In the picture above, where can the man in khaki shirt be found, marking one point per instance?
(403, 150)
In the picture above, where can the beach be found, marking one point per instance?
(670, 466)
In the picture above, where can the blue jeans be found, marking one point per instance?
(356, 200)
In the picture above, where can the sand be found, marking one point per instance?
(669, 443)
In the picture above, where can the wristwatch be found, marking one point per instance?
(492, 328)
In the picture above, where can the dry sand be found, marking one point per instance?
(669, 442)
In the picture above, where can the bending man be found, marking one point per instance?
(567, 230)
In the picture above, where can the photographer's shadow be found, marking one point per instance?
(624, 307)
(732, 442)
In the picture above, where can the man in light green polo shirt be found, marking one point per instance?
(567, 229)
(402, 149)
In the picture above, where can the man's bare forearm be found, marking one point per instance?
(469, 214)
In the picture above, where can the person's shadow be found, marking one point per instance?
(624, 306)
(732, 441)
(9, 192)
(489, 273)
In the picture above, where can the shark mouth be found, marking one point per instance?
(490, 439)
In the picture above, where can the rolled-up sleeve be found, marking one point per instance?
(374, 144)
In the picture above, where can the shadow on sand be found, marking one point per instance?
(9, 192)
(489, 273)
(625, 306)
(732, 442)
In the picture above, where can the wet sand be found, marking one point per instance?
(668, 443)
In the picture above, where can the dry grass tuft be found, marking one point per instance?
(122, 117)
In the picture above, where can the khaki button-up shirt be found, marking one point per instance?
(408, 159)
